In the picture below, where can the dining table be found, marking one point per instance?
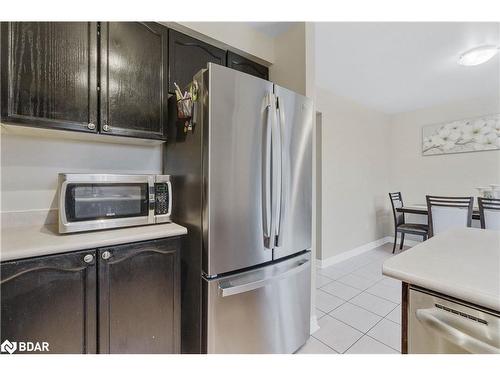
(421, 209)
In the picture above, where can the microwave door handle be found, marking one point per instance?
(169, 188)
(280, 115)
(63, 220)
(151, 200)
(436, 320)
(266, 172)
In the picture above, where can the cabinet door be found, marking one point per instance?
(51, 299)
(139, 305)
(134, 79)
(49, 74)
(245, 65)
(187, 56)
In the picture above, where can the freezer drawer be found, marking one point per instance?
(266, 310)
(444, 326)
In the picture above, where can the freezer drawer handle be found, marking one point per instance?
(226, 289)
(431, 319)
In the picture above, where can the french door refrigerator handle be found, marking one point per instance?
(431, 319)
(226, 289)
(280, 115)
(266, 171)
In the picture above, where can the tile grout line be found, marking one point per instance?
(361, 307)
(362, 334)
(366, 333)
(385, 317)
(361, 291)
(380, 342)
(324, 343)
(399, 351)
(382, 317)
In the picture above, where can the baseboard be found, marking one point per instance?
(323, 263)
(407, 241)
(314, 324)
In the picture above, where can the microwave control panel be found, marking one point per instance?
(161, 198)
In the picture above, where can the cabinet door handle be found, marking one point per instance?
(106, 128)
(106, 255)
(88, 258)
(91, 126)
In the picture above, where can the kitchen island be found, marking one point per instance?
(456, 275)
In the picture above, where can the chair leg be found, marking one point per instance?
(402, 241)
(425, 237)
(395, 240)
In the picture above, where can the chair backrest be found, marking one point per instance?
(489, 213)
(397, 202)
(448, 212)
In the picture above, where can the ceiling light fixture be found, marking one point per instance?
(478, 55)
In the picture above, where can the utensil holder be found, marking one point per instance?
(185, 108)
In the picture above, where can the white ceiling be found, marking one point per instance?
(271, 29)
(399, 67)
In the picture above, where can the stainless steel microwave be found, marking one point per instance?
(103, 201)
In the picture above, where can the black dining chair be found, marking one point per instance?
(489, 213)
(400, 226)
(448, 212)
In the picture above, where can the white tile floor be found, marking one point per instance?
(358, 309)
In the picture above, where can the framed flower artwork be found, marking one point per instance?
(475, 134)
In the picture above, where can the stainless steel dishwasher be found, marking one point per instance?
(439, 324)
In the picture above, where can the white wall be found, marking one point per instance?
(289, 68)
(355, 173)
(452, 174)
(31, 163)
(367, 154)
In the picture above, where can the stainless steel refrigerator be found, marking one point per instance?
(242, 181)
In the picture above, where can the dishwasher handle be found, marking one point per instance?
(433, 319)
(227, 289)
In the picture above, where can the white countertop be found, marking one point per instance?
(461, 263)
(26, 242)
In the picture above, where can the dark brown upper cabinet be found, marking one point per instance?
(51, 299)
(139, 297)
(187, 56)
(134, 76)
(245, 65)
(49, 74)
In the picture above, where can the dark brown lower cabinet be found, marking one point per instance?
(121, 299)
(51, 299)
(139, 298)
